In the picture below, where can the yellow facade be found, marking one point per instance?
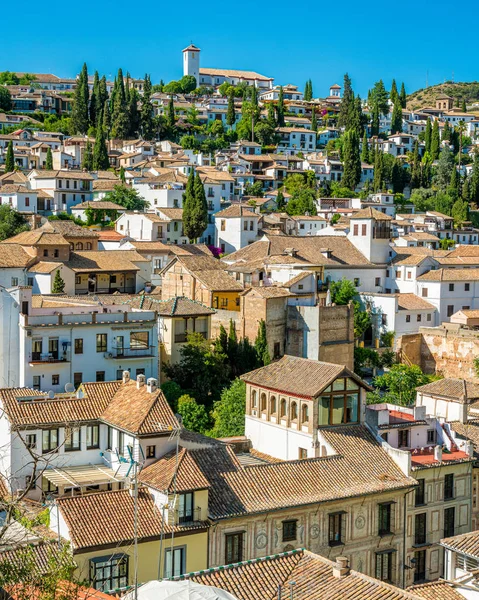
(226, 300)
(149, 557)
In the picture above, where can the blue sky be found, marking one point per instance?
(290, 42)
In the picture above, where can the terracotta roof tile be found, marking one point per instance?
(235, 211)
(13, 255)
(466, 543)
(37, 237)
(371, 213)
(161, 474)
(413, 302)
(459, 390)
(436, 590)
(101, 260)
(450, 275)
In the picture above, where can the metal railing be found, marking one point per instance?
(119, 352)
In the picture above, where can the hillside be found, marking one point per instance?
(427, 96)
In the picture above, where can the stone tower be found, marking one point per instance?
(191, 62)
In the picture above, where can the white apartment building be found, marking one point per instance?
(47, 348)
(309, 224)
(67, 187)
(236, 227)
(19, 197)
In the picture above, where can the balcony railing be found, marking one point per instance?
(181, 338)
(186, 519)
(130, 352)
(49, 357)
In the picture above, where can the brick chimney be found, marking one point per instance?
(125, 376)
(341, 568)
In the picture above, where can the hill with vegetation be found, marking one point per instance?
(459, 91)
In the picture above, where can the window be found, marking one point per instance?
(377, 281)
(49, 440)
(139, 340)
(175, 561)
(408, 318)
(424, 292)
(384, 518)
(384, 562)
(420, 497)
(79, 346)
(77, 379)
(254, 396)
(420, 529)
(304, 413)
(467, 287)
(420, 566)
(100, 376)
(109, 438)
(418, 318)
(223, 224)
(282, 413)
(302, 453)
(451, 287)
(294, 411)
(30, 281)
(357, 282)
(384, 319)
(403, 438)
(272, 405)
(289, 530)
(31, 440)
(337, 408)
(185, 508)
(150, 451)
(14, 281)
(72, 439)
(79, 246)
(245, 225)
(88, 246)
(27, 201)
(431, 436)
(109, 572)
(450, 310)
(276, 350)
(234, 548)
(428, 317)
(363, 229)
(55, 379)
(335, 528)
(56, 253)
(356, 229)
(449, 516)
(92, 436)
(121, 443)
(409, 274)
(45, 252)
(449, 486)
(101, 342)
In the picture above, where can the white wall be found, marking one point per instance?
(276, 440)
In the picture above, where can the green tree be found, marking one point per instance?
(435, 140)
(346, 103)
(314, 120)
(80, 117)
(9, 158)
(58, 286)
(188, 83)
(364, 148)
(100, 152)
(400, 384)
(226, 88)
(396, 120)
(379, 97)
(49, 160)
(264, 133)
(228, 413)
(5, 99)
(402, 96)
(475, 179)
(308, 91)
(94, 100)
(464, 107)
(351, 160)
(134, 115)
(446, 132)
(344, 292)
(427, 136)
(194, 415)
(261, 344)
(460, 212)
(378, 172)
(280, 203)
(173, 393)
(393, 94)
(375, 120)
(87, 161)
(11, 222)
(170, 114)
(230, 113)
(127, 197)
(444, 168)
(122, 175)
(120, 123)
(221, 342)
(106, 119)
(146, 115)
(280, 108)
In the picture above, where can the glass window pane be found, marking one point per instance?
(338, 410)
(323, 416)
(338, 384)
(351, 384)
(352, 403)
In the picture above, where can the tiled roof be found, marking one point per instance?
(371, 213)
(297, 278)
(466, 543)
(455, 389)
(101, 260)
(106, 518)
(37, 237)
(69, 229)
(13, 255)
(464, 250)
(411, 260)
(45, 267)
(161, 474)
(312, 576)
(235, 211)
(420, 236)
(268, 292)
(436, 590)
(450, 275)
(210, 272)
(413, 302)
(234, 73)
(174, 214)
(61, 174)
(298, 376)
(100, 205)
(179, 306)
(42, 555)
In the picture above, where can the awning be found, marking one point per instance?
(82, 476)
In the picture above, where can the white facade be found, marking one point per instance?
(234, 233)
(191, 62)
(449, 296)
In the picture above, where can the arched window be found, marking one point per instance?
(79, 246)
(283, 407)
(72, 246)
(305, 413)
(272, 405)
(253, 398)
(294, 411)
(263, 402)
(88, 245)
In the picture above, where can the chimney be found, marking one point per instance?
(152, 385)
(438, 453)
(126, 376)
(140, 381)
(341, 568)
(326, 252)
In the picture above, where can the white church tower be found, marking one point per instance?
(191, 62)
(370, 232)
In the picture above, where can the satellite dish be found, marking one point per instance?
(51, 394)
(69, 387)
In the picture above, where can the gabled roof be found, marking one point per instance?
(179, 306)
(371, 213)
(104, 260)
(466, 543)
(161, 474)
(38, 237)
(14, 256)
(236, 211)
(436, 590)
(209, 271)
(450, 275)
(299, 376)
(458, 390)
(413, 302)
(69, 229)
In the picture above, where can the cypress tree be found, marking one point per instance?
(170, 115)
(146, 117)
(308, 91)
(119, 120)
(466, 190)
(94, 100)
(100, 151)
(311, 89)
(351, 160)
(346, 101)
(271, 119)
(201, 208)
(356, 116)
(435, 140)
(79, 118)
(188, 205)
(221, 342)
(280, 200)
(393, 94)
(101, 98)
(106, 119)
(375, 121)
(133, 113)
(314, 121)
(474, 185)
(122, 175)
(280, 108)
(58, 286)
(464, 107)
(427, 137)
(378, 172)
(364, 148)
(49, 160)
(396, 121)
(9, 158)
(416, 167)
(230, 113)
(87, 162)
(402, 96)
(261, 345)
(446, 132)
